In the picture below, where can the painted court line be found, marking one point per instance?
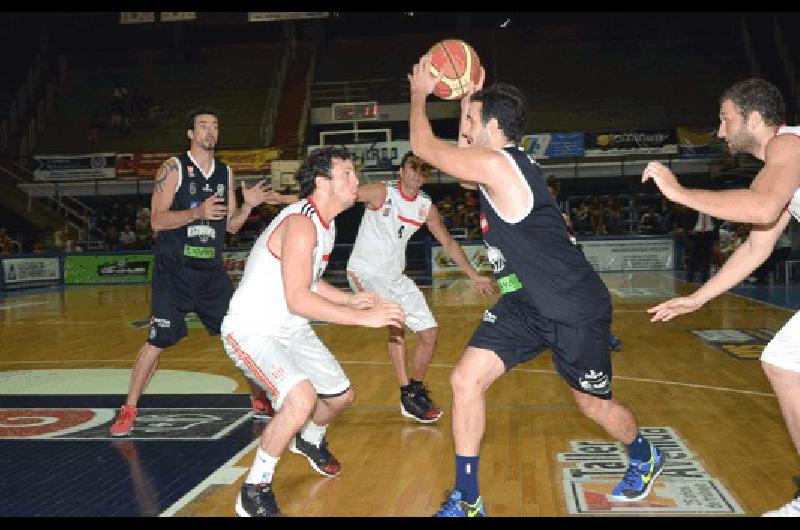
(208, 481)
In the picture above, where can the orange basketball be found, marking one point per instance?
(460, 64)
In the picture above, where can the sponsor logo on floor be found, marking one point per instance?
(593, 468)
(747, 344)
(94, 424)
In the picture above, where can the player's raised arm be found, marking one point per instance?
(476, 164)
(372, 195)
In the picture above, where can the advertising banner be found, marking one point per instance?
(442, 266)
(661, 142)
(21, 272)
(698, 142)
(553, 145)
(93, 166)
(173, 16)
(137, 17)
(269, 16)
(635, 254)
(242, 161)
(108, 268)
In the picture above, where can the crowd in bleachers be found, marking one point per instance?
(127, 109)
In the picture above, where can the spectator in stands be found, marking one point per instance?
(597, 217)
(471, 200)
(582, 223)
(613, 218)
(650, 222)
(60, 238)
(700, 243)
(39, 246)
(127, 238)
(5, 242)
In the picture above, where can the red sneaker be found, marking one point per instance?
(262, 406)
(124, 423)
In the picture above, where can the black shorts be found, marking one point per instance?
(517, 333)
(178, 289)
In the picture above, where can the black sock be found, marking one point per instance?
(415, 383)
(407, 388)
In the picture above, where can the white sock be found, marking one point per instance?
(263, 468)
(312, 433)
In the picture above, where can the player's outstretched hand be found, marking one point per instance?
(384, 314)
(673, 308)
(665, 179)
(255, 195)
(213, 208)
(364, 300)
(421, 80)
(485, 285)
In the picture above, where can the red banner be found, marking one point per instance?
(242, 161)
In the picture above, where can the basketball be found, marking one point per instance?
(460, 64)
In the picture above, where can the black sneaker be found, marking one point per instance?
(320, 458)
(416, 403)
(257, 500)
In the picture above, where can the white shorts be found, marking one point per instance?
(783, 350)
(278, 361)
(400, 290)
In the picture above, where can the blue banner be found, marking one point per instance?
(554, 145)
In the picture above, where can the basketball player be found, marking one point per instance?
(751, 114)
(190, 210)
(394, 212)
(267, 333)
(551, 297)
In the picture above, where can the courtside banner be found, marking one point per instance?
(442, 266)
(635, 254)
(242, 161)
(23, 272)
(108, 268)
(661, 142)
(553, 145)
(94, 166)
(697, 142)
(250, 160)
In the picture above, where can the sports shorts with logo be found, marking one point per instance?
(783, 350)
(517, 333)
(178, 288)
(400, 290)
(279, 359)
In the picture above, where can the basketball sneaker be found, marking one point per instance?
(639, 477)
(256, 500)
(792, 509)
(320, 458)
(124, 423)
(415, 403)
(454, 506)
(262, 406)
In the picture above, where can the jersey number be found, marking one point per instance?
(400, 231)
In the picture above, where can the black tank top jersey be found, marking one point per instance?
(198, 244)
(536, 257)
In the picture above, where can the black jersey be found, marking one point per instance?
(534, 254)
(199, 243)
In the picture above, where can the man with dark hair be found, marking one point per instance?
(267, 332)
(193, 205)
(394, 212)
(751, 116)
(551, 296)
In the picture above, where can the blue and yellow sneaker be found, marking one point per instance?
(453, 506)
(639, 478)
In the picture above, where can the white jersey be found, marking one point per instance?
(794, 204)
(259, 300)
(380, 246)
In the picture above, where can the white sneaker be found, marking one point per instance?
(790, 510)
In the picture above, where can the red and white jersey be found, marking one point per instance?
(380, 246)
(260, 300)
(794, 204)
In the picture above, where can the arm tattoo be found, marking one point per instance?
(163, 172)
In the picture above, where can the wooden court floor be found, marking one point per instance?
(708, 401)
